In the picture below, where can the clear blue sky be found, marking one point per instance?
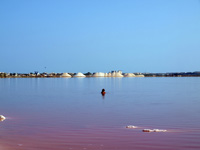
(99, 35)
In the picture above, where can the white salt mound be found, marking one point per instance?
(131, 127)
(140, 75)
(153, 130)
(117, 74)
(2, 118)
(129, 75)
(66, 75)
(159, 130)
(98, 74)
(109, 74)
(79, 74)
(147, 130)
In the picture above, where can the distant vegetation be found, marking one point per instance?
(2, 75)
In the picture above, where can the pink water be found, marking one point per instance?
(71, 114)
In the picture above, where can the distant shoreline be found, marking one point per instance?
(62, 75)
(103, 77)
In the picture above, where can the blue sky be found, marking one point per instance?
(99, 35)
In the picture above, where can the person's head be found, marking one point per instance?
(103, 90)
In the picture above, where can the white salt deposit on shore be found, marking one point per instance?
(129, 75)
(2, 118)
(140, 75)
(98, 74)
(131, 127)
(146, 130)
(154, 130)
(79, 75)
(117, 74)
(66, 75)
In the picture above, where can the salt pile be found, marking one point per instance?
(2, 118)
(79, 75)
(131, 127)
(66, 75)
(98, 74)
(153, 130)
(117, 74)
(140, 75)
(129, 75)
(108, 74)
(159, 130)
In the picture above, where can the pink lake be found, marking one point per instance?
(71, 114)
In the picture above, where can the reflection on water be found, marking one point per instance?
(71, 113)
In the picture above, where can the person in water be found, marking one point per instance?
(103, 92)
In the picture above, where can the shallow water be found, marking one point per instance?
(70, 113)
